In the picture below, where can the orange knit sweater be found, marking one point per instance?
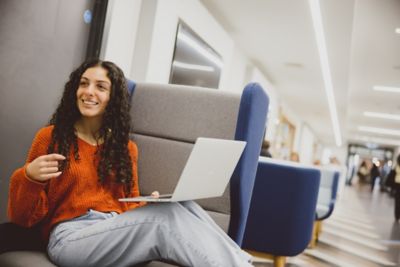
(68, 196)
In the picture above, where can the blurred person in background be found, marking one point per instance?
(265, 149)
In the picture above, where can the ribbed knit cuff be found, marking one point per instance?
(30, 179)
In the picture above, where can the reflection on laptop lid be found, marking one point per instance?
(206, 173)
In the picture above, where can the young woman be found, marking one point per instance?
(77, 169)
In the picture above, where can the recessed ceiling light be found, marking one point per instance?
(387, 89)
(326, 72)
(382, 115)
(397, 30)
(379, 130)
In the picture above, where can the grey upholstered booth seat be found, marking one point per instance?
(166, 120)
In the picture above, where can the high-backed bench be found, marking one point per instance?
(166, 120)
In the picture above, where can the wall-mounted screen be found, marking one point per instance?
(194, 62)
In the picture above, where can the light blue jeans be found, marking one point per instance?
(182, 233)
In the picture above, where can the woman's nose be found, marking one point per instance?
(90, 89)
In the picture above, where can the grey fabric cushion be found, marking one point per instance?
(24, 259)
(160, 165)
(183, 113)
(221, 219)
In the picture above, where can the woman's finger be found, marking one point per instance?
(54, 157)
(50, 175)
(49, 164)
(46, 170)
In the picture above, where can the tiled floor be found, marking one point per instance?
(360, 233)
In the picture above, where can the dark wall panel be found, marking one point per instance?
(41, 42)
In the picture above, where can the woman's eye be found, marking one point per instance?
(83, 83)
(102, 87)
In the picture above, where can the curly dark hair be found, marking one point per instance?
(114, 154)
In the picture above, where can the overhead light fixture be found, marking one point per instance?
(189, 66)
(386, 89)
(326, 73)
(379, 130)
(382, 115)
(397, 30)
(201, 50)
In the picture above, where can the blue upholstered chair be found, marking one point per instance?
(166, 120)
(131, 87)
(326, 200)
(282, 209)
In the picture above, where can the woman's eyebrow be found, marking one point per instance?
(99, 81)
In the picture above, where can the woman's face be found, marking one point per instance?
(93, 93)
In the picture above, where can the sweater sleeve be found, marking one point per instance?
(133, 151)
(27, 199)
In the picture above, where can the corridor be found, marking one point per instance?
(360, 233)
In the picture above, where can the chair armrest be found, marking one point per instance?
(329, 185)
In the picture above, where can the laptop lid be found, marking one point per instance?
(207, 171)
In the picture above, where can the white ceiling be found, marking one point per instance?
(363, 51)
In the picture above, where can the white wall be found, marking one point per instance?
(200, 21)
(236, 73)
(273, 109)
(141, 39)
(119, 35)
(296, 121)
(140, 36)
(306, 145)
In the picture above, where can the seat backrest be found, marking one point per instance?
(167, 119)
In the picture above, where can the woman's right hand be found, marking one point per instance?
(155, 194)
(44, 168)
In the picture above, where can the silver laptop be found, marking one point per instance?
(206, 173)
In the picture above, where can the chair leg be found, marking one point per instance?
(279, 261)
(317, 228)
(313, 241)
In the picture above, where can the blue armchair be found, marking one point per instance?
(282, 209)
